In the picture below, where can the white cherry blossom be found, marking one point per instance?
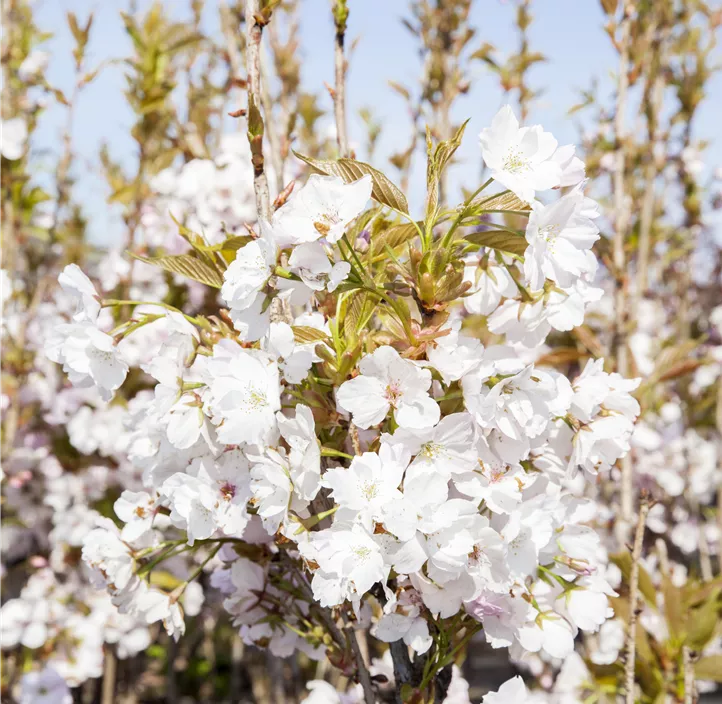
(520, 158)
(89, 357)
(44, 687)
(559, 235)
(248, 273)
(324, 207)
(243, 395)
(490, 283)
(388, 382)
(513, 691)
(76, 284)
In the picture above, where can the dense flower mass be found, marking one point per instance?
(320, 434)
(270, 418)
(425, 479)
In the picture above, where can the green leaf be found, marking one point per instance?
(503, 240)
(232, 244)
(709, 668)
(674, 610)
(350, 170)
(623, 560)
(124, 194)
(165, 580)
(235, 242)
(360, 309)
(186, 265)
(703, 622)
(305, 335)
(500, 202)
(446, 149)
(395, 236)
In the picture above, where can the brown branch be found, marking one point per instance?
(362, 671)
(654, 99)
(254, 32)
(274, 141)
(631, 645)
(340, 15)
(718, 419)
(688, 672)
(622, 217)
(109, 671)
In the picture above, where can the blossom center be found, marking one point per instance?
(550, 232)
(256, 399)
(515, 162)
(370, 490)
(432, 450)
(326, 221)
(102, 355)
(361, 551)
(228, 491)
(393, 392)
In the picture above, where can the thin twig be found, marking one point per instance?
(718, 419)
(274, 140)
(631, 647)
(621, 223)
(362, 671)
(654, 108)
(663, 556)
(109, 670)
(403, 669)
(688, 670)
(355, 440)
(254, 32)
(340, 16)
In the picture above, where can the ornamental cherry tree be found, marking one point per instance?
(337, 449)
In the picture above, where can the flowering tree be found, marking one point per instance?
(335, 447)
(341, 427)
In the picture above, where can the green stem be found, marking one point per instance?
(112, 302)
(178, 591)
(168, 552)
(354, 255)
(354, 271)
(285, 274)
(132, 327)
(330, 452)
(412, 221)
(462, 213)
(399, 313)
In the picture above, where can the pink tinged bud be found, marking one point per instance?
(481, 607)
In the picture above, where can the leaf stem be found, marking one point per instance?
(462, 213)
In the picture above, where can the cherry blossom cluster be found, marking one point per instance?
(403, 474)
(67, 450)
(49, 494)
(212, 196)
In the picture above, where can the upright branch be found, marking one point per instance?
(445, 33)
(255, 21)
(652, 104)
(688, 672)
(622, 216)
(11, 101)
(718, 424)
(364, 677)
(340, 17)
(272, 132)
(631, 645)
(229, 25)
(523, 20)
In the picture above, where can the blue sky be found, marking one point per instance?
(569, 32)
